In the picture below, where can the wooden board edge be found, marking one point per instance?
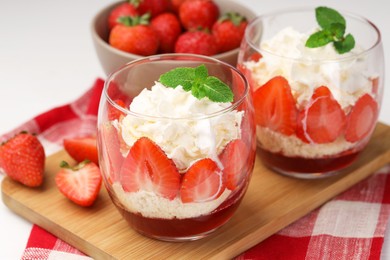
(60, 232)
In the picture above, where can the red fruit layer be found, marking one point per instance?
(321, 121)
(275, 106)
(304, 165)
(183, 228)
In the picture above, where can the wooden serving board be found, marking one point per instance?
(271, 203)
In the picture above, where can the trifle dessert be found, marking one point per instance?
(176, 144)
(317, 80)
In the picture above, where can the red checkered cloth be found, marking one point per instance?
(351, 226)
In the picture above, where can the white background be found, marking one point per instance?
(47, 59)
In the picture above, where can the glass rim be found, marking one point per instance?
(176, 56)
(282, 11)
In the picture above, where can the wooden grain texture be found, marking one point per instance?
(271, 203)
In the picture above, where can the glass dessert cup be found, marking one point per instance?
(176, 167)
(315, 109)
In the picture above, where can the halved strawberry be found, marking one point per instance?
(323, 121)
(147, 167)
(113, 112)
(234, 158)
(275, 106)
(82, 148)
(375, 85)
(202, 182)
(81, 183)
(361, 119)
(111, 151)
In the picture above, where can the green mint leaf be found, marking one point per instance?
(318, 39)
(345, 45)
(199, 82)
(201, 72)
(216, 90)
(179, 76)
(337, 30)
(333, 27)
(327, 16)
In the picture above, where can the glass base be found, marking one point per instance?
(307, 168)
(307, 176)
(179, 239)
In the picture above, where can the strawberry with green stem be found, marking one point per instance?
(81, 183)
(229, 30)
(153, 7)
(122, 10)
(134, 35)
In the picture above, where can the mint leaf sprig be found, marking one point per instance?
(333, 27)
(198, 81)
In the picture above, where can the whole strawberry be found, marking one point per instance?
(196, 42)
(198, 14)
(23, 159)
(124, 9)
(175, 5)
(168, 28)
(229, 31)
(153, 7)
(134, 35)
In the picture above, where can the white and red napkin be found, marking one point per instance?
(351, 226)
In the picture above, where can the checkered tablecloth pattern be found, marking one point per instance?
(350, 226)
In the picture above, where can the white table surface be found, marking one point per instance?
(47, 59)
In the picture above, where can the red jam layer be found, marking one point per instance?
(185, 229)
(307, 166)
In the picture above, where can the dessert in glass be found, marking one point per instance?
(317, 77)
(176, 139)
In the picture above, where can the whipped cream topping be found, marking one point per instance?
(304, 70)
(171, 124)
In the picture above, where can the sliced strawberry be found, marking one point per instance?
(82, 148)
(113, 112)
(275, 106)
(81, 184)
(361, 119)
(234, 158)
(111, 151)
(148, 168)
(202, 182)
(324, 119)
(255, 56)
(375, 85)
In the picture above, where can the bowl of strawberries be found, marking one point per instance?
(128, 30)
